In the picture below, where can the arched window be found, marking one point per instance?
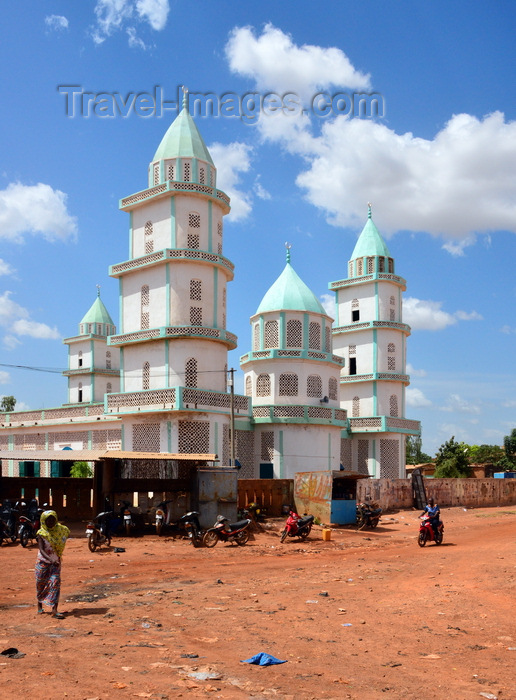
(149, 243)
(391, 358)
(391, 347)
(195, 290)
(327, 339)
(288, 384)
(79, 397)
(332, 388)
(224, 307)
(370, 266)
(314, 386)
(393, 405)
(391, 265)
(314, 336)
(191, 372)
(392, 301)
(146, 376)
(219, 233)
(263, 385)
(248, 386)
(108, 388)
(294, 333)
(360, 267)
(356, 407)
(271, 334)
(381, 264)
(155, 176)
(144, 306)
(79, 359)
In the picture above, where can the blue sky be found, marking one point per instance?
(439, 168)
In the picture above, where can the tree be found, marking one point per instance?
(482, 454)
(509, 443)
(414, 455)
(7, 404)
(452, 458)
(81, 470)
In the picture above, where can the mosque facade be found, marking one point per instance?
(319, 393)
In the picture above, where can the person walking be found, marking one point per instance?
(51, 538)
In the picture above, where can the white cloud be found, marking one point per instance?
(233, 159)
(415, 372)
(416, 399)
(427, 315)
(275, 63)
(5, 378)
(454, 186)
(260, 190)
(56, 22)
(5, 268)
(17, 322)
(114, 15)
(35, 209)
(328, 303)
(456, 404)
(508, 330)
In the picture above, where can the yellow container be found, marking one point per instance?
(326, 534)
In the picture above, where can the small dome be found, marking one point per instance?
(183, 140)
(97, 313)
(370, 242)
(289, 292)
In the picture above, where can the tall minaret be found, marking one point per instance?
(173, 339)
(93, 366)
(371, 337)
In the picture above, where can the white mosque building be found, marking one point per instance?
(319, 394)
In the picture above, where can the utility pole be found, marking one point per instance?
(231, 382)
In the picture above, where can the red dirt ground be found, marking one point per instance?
(366, 615)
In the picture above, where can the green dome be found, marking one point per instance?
(370, 243)
(289, 292)
(183, 140)
(97, 313)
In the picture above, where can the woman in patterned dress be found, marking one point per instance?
(51, 538)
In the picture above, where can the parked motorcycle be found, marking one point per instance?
(227, 532)
(28, 522)
(190, 523)
(162, 516)
(132, 518)
(426, 531)
(368, 515)
(98, 531)
(9, 518)
(297, 526)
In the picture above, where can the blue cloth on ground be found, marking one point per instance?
(263, 659)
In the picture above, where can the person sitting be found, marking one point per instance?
(434, 512)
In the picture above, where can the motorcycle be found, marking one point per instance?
(28, 523)
(190, 523)
(297, 526)
(227, 532)
(426, 531)
(162, 516)
(98, 531)
(131, 519)
(9, 517)
(368, 515)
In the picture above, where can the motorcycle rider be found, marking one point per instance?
(434, 512)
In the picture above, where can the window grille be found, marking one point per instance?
(327, 339)
(145, 300)
(170, 171)
(288, 384)
(332, 388)
(381, 264)
(146, 437)
(352, 349)
(256, 337)
(80, 358)
(294, 333)
(360, 267)
(248, 386)
(201, 176)
(191, 372)
(391, 363)
(156, 175)
(392, 315)
(393, 405)
(263, 385)
(194, 437)
(193, 241)
(108, 359)
(314, 336)
(314, 386)
(224, 308)
(391, 265)
(267, 446)
(195, 290)
(370, 265)
(194, 220)
(363, 456)
(196, 316)
(108, 387)
(186, 172)
(356, 407)
(391, 347)
(350, 268)
(148, 228)
(389, 459)
(146, 376)
(392, 301)
(271, 334)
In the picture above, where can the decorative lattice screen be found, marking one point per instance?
(263, 385)
(363, 456)
(288, 384)
(194, 437)
(267, 446)
(294, 334)
(389, 459)
(314, 386)
(146, 437)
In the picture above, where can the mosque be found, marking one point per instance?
(320, 393)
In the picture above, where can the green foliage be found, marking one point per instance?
(81, 470)
(505, 464)
(509, 443)
(414, 455)
(448, 469)
(482, 454)
(7, 404)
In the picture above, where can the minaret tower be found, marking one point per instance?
(173, 339)
(93, 366)
(371, 337)
(292, 376)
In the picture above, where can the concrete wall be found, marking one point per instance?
(470, 493)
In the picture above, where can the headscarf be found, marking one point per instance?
(56, 536)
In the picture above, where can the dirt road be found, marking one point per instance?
(366, 615)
